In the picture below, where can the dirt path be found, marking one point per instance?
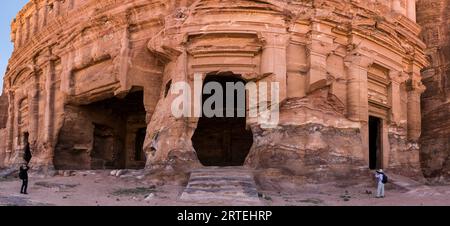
(99, 188)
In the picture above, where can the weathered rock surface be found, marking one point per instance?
(434, 17)
(313, 139)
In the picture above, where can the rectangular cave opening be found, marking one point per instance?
(224, 141)
(108, 134)
(375, 143)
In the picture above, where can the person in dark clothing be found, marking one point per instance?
(23, 175)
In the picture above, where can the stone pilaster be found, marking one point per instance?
(49, 74)
(48, 139)
(56, 7)
(45, 13)
(66, 74)
(319, 49)
(411, 10)
(35, 26)
(27, 30)
(274, 59)
(415, 89)
(397, 78)
(18, 37)
(124, 60)
(11, 116)
(15, 124)
(357, 95)
(34, 108)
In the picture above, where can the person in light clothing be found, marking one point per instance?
(381, 182)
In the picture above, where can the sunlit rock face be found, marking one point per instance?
(91, 83)
(434, 17)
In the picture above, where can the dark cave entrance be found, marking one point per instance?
(139, 154)
(224, 141)
(375, 143)
(106, 152)
(27, 149)
(119, 136)
(107, 134)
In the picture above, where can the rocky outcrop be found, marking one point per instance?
(434, 17)
(313, 139)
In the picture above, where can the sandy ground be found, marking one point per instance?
(98, 188)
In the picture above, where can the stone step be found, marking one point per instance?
(221, 186)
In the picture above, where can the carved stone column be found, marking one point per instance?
(66, 74)
(35, 27)
(124, 67)
(34, 108)
(357, 95)
(48, 140)
(11, 116)
(411, 10)
(318, 50)
(397, 78)
(56, 7)
(415, 89)
(45, 13)
(15, 123)
(27, 30)
(18, 38)
(274, 59)
(49, 99)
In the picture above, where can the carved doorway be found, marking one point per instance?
(223, 141)
(375, 143)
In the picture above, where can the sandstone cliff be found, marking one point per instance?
(434, 17)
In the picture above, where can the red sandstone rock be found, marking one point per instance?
(88, 78)
(434, 17)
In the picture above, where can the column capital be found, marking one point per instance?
(359, 60)
(398, 77)
(321, 47)
(49, 56)
(275, 39)
(413, 85)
